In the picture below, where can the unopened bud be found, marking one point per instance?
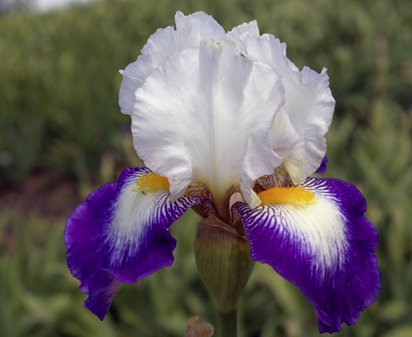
(223, 260)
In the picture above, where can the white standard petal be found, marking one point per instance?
(164, 43)
(243, 33)
(193, 28)
(283, 136)
(309, 106)
(203, 115)
(161, 44)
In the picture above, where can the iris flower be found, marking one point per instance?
(227, 124)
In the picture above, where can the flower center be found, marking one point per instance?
(151, 182)
(286, 195)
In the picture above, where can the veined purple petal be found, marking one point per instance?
(120, 235)
(323, 165)
(326, 248)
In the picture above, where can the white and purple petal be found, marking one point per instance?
(120, 235)
(325, 247)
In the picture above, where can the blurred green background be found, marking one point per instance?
(62, 135)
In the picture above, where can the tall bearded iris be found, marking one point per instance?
(227, 124)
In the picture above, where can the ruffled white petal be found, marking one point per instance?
(193, 28)
(309, 106)
(164, 43)
(243, 33)
(283, 136)
(271, 51)
(203, 115)
(159, 46)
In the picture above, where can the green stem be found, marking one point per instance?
(228, 324)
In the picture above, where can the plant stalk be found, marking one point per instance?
(228, 324)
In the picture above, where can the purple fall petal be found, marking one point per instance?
(323, 165)
(83, 238)
(120, 235)
(327, 249)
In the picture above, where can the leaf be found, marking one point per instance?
(403, 331)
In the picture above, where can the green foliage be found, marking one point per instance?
(32, 280)
(59, 86)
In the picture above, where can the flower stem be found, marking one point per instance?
(228, 324)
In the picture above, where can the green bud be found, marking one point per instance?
(223, 260)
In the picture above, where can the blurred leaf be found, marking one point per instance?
(403, 331)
